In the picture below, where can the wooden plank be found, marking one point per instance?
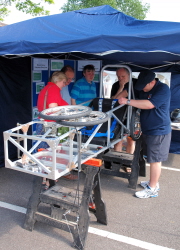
(62, 196)
(120, 157)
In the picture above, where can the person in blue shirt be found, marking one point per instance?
(154, 102)
(84, 89)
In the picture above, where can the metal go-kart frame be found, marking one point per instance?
(61, 157)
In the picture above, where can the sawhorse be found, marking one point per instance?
(138, 164)
(62, 200)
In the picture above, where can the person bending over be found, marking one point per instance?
(154, 102)
(50, 97)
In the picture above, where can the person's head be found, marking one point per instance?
(59, 78)
(69, 72)
(122, 75)
(88, 72)
(146, 81)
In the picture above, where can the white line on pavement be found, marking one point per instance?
(102, 233)
(167, 168)
(174, 169)
(13, 207)
(127, 240)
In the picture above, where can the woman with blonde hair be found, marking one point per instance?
(50, 97)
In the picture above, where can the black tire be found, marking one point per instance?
(135, 125)
(100, 118)
(81, 111)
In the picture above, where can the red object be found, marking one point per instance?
(92, 205)
(93, 162)
(53, 96)
(41, 149)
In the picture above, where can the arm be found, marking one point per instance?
(119, 90)
(75, 92)
(73, 101)
(52, 105)
(141, 104)
(124, 93)
(115, 94)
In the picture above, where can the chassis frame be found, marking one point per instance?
(47, 163)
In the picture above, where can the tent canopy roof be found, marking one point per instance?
(101, 31)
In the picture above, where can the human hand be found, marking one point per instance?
(122, 82)
(122, 100)
(120, 89)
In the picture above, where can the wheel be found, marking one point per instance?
(65, 112)
(135, 125)
(94, 118)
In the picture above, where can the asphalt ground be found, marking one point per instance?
(133, 223)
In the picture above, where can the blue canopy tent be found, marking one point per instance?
(98, 30)
(95, 33)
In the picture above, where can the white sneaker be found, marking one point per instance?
(147, 193)
(144, 184)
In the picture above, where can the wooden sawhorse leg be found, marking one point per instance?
(100, 211)
(33, 203)
(92, 184)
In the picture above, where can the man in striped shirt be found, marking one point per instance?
(84, 89)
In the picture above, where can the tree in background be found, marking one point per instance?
(134, 8)
(26, 6)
